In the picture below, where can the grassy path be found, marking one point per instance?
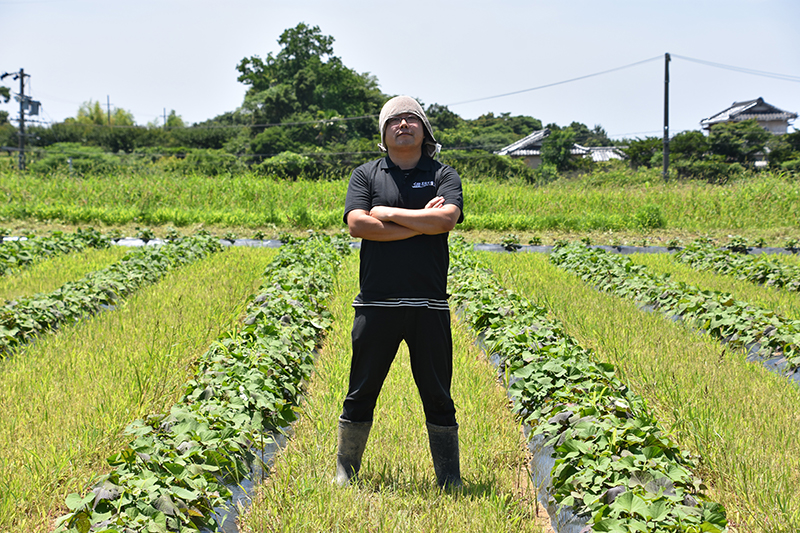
(48, 275)
(739, 417)
(397, 489)
(784, 302)
(67, 397)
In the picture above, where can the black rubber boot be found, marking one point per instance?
(444, 451)
(352, 441)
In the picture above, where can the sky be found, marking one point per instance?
(147, 56)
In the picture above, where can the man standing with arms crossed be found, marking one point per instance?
(402, 207)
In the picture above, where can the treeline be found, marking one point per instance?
(307, 114)
(729, 150)
(304, 114)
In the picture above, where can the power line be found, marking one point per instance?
(784, 77)
(228, 126)
(556, 83)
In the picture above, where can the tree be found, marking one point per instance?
(305, 82)
(586, 137)
(91, 112)
(738, 142)
(691, 145)
(5, 96)
(640, 152)
(441, 118)
(783, 148)
(557, 149)
(174, 120)
(487, 132)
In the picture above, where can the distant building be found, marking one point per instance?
(768, 116)
(530, 149)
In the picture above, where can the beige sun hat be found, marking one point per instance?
(406, 104)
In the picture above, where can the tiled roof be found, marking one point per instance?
(532, 146)
(752, 109)
(532, 143)
(605, 153)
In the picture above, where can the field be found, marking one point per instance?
(137, 384)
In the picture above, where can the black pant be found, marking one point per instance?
(377, 332)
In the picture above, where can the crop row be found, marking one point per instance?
(24, 252)
(178, 466)
(703, 255)
(738, 323)
(23, 319)
(614, 467)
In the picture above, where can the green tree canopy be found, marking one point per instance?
(487, 132)
(640, 152)
(441, 118)
(305, 82)
(738, 142)
(92, 113)
(584, 136)
(557, 149)
(688, 145)
(174, 120)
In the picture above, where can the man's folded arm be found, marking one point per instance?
(428, 221)
(364, 226)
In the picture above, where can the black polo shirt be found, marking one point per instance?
(414, 268)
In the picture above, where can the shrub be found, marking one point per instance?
(713, 169)
(208, 162)
(285, 165)
(649, 217)
(793, 165)
(546, 173)
(478, 166)
(85, 160)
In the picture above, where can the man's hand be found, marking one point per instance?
(384, 223)
(437, 217)
(384, 213)
(435, 203)
(363, 225)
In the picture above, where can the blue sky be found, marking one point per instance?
(148, 55)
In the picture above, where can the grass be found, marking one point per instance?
(47, 276)
(66, 398)
(764, 205)
(784, 302)
(737, 416)
(397, 488)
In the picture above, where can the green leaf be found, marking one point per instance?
(74, 501)
(610, 525)
(632, 504)
(184, 494)
(658, 511)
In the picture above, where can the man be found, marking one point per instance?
(402, 207)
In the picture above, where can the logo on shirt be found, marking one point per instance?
(423, 184)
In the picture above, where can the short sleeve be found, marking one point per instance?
(448, 186)
(359, 194)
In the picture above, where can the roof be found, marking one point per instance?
(752, 109)
(605, 153)
(531, 143)
(532, 146)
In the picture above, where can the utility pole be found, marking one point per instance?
(24, 102)
(666, 116)
(165, 118)
(22, 119)
(108, 107)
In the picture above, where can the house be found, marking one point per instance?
(768, 116)
(529, 148)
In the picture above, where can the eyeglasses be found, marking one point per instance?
(410, 119)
